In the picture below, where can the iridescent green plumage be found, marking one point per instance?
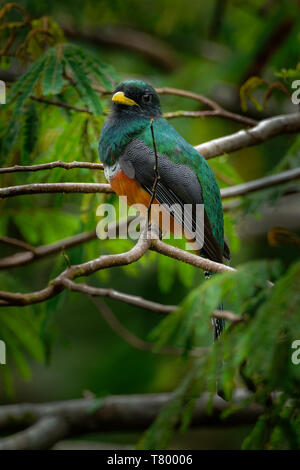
(170, 143)
(127, 150)
(134, 122)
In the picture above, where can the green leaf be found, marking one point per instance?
(166, 273)
(259, 436)
(16, 354)
(53, 81)
(30, 133)
(231, 233)
(24, 332)
(92, 66)
(9, 139)
(24, 86)
(178, 409)
(89, 96)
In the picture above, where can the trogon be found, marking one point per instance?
(127, 151)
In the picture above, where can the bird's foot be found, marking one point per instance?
(154, 231)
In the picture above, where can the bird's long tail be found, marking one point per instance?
(217, 323)
(218, 326)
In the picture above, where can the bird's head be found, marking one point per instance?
(137, 98)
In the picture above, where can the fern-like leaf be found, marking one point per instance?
(52, 81)
(24, 86)
(89, 96)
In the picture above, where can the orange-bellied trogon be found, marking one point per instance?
(185, 178)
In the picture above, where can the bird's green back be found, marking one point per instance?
(170, 143)
(116, 135)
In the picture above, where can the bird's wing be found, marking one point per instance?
(178, 185)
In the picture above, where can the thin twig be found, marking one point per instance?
(41, 435)
(134, 300)
(51, 165)
(56, 286)
(189, 94)
(221, 113)
(263, 131)
(221, 176)
(137, 342)
(189, 258)
(35, 253)
(61, 104)
(17, 243)
(261, 183)
(41, 188)
(217, 110)
(87, 188)
(229, 316)
(67, 283)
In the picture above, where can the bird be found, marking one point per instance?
(135, 138)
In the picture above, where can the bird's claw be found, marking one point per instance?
(155, 231)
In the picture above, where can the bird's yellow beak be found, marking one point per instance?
(120, 98)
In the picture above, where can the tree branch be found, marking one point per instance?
(261, 183)
(16, 243)
(25, 257)
(221, 113)
(51, 165)
(41, 435)
(134, 300)
(86, 188)
(189, 94)
(216, 109)
(137, 301)
(48, 423)
(35, 253)
(229, 316)
(61, 104)
(85, 269)
(41, 188)
(189, 258)
(137, 342)
(263, 131)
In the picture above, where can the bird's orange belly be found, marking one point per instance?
(138, 197)
(125, 186)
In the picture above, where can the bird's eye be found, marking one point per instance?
(146, 98)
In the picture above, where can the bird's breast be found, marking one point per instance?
(129, 187)
(138, 197)
(110, 171)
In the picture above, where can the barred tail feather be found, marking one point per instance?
(217, 323)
